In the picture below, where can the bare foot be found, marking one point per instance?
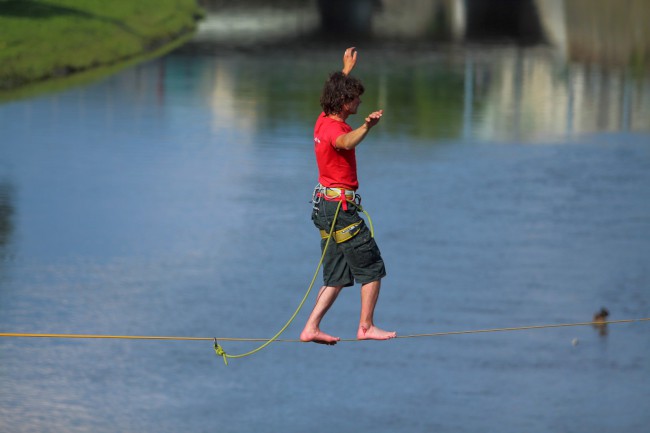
(374, 333)
(318, 337)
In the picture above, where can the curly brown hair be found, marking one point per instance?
(338, 90)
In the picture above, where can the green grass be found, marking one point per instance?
(48, 39)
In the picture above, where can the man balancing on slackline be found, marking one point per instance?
(352, 254)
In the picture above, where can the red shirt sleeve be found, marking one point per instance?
(333, 131)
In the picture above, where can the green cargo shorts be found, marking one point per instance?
(358, 258)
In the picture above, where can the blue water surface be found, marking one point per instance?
(172, 199)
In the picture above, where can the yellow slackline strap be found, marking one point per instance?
(278, 340)
(134, 337)
(222, 353)
(525, 328)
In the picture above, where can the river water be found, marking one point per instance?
(507, 188)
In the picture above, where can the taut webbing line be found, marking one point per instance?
(525, 328)
(435, 334)
(267, 341)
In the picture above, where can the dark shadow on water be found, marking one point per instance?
(44, 10)
(6, 213)
(7, 224)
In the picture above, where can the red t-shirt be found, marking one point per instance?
(337, 168)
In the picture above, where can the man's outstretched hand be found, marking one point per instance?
(373, 118)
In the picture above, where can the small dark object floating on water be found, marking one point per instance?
(600, 321)
(601, 316)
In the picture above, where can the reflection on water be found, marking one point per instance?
(523, 95)
(447, 86)
(172, 199)
(489, 94)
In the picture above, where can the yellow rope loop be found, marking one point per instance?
(219, 350)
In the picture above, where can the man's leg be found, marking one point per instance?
(326, 297)
(367, 329)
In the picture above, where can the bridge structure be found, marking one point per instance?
(579, 29)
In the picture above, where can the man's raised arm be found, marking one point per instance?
(349, 60)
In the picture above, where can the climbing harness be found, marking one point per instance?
(344, 197)
(336, 194)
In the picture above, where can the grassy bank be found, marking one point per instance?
(54, 38)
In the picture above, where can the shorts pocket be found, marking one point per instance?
(363, 251)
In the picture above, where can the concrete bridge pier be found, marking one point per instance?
(553, 22)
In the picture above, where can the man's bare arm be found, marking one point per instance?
(353, 138)
(349, 60)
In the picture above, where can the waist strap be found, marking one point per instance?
(336, 194)
(339, 193)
